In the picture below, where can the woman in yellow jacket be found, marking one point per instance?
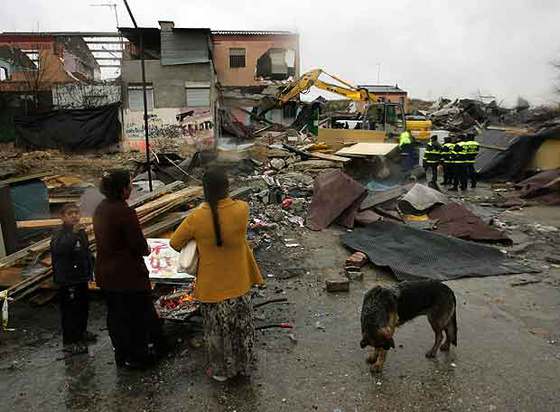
(226, 272)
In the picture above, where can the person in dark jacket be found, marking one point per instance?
(72, 269)
(432, 158)
(121, 273)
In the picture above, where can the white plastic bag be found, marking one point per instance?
(188, 259)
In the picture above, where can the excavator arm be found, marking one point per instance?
(310, 79)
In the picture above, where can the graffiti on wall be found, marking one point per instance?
(195, 126)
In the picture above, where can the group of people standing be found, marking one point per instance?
(227, 270)
(457, 156)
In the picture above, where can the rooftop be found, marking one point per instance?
(253, 33)
(381, 88)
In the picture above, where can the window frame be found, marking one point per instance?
(149, 96)
(197, 87)
(238, 57)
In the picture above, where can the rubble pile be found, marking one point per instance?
(462, 115)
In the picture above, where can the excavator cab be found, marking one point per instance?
(384, 117)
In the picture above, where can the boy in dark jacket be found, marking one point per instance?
(72, 267)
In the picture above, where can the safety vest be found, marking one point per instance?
(460, 152)
(472, 148)
(404, 139)
(432, 154)
(447, 152)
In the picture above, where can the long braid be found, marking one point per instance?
(215, 184)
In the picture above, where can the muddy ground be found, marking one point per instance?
(508, 358)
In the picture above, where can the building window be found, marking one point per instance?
(236, 57)
(198, 96)
(136, 98)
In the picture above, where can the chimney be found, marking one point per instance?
(166, 25)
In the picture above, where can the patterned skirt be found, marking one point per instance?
(229, 332)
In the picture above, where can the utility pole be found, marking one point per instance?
(143, 66)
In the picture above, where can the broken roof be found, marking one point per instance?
(381, 88)
(16, 57)
(253, 33)
(176, 46)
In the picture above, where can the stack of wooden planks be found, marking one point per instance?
(155, 211)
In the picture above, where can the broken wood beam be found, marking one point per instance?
(46, 223)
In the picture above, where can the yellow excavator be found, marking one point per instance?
(379, 120)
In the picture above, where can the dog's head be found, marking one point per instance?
(379, 318)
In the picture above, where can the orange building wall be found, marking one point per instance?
(255, 46)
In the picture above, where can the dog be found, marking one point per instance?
(384, 309)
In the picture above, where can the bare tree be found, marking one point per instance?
(34, 78)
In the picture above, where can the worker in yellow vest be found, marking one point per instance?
(446, 158)
(460, 165)
(406, 148)
(472, 148)
(432, 158)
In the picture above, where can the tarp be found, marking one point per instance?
(456, 220)
(72, 130)
(414, 254)
(335, 195)
(420, 199)
(504, 156)
(543, 187)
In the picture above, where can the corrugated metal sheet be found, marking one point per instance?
(184, 47)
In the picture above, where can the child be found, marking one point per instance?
(72, 267)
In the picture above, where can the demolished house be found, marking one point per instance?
(251, 65)
(181, 91)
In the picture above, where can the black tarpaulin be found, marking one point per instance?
(414, 254)
(72, 130)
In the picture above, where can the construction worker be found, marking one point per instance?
(459, 165)
(407, 151)
(432, 157)
(446, 157)
(472, 147)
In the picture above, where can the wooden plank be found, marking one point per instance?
(47, 223)
(160, 191)
(326, 156)
(25, 178)
(368, 149)
(22, 254)
(60, 200)
(187, 194)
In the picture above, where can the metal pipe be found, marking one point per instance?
(145, 98)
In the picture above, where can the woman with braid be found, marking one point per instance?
(226, 272)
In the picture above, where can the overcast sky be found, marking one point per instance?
(431, 48)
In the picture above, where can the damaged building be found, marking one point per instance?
(253, 64)
(180, 83)
(44, 71)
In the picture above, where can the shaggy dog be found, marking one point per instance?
(384, 309)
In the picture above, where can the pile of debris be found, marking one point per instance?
(157, 214)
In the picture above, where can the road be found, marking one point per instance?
(507, 359)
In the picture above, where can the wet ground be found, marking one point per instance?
(508, 358)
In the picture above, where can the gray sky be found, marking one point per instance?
(430, 47)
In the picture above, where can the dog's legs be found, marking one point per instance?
(438, 331)
(378, 365)
(372, 356)
(450, 332)
(447, 343)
